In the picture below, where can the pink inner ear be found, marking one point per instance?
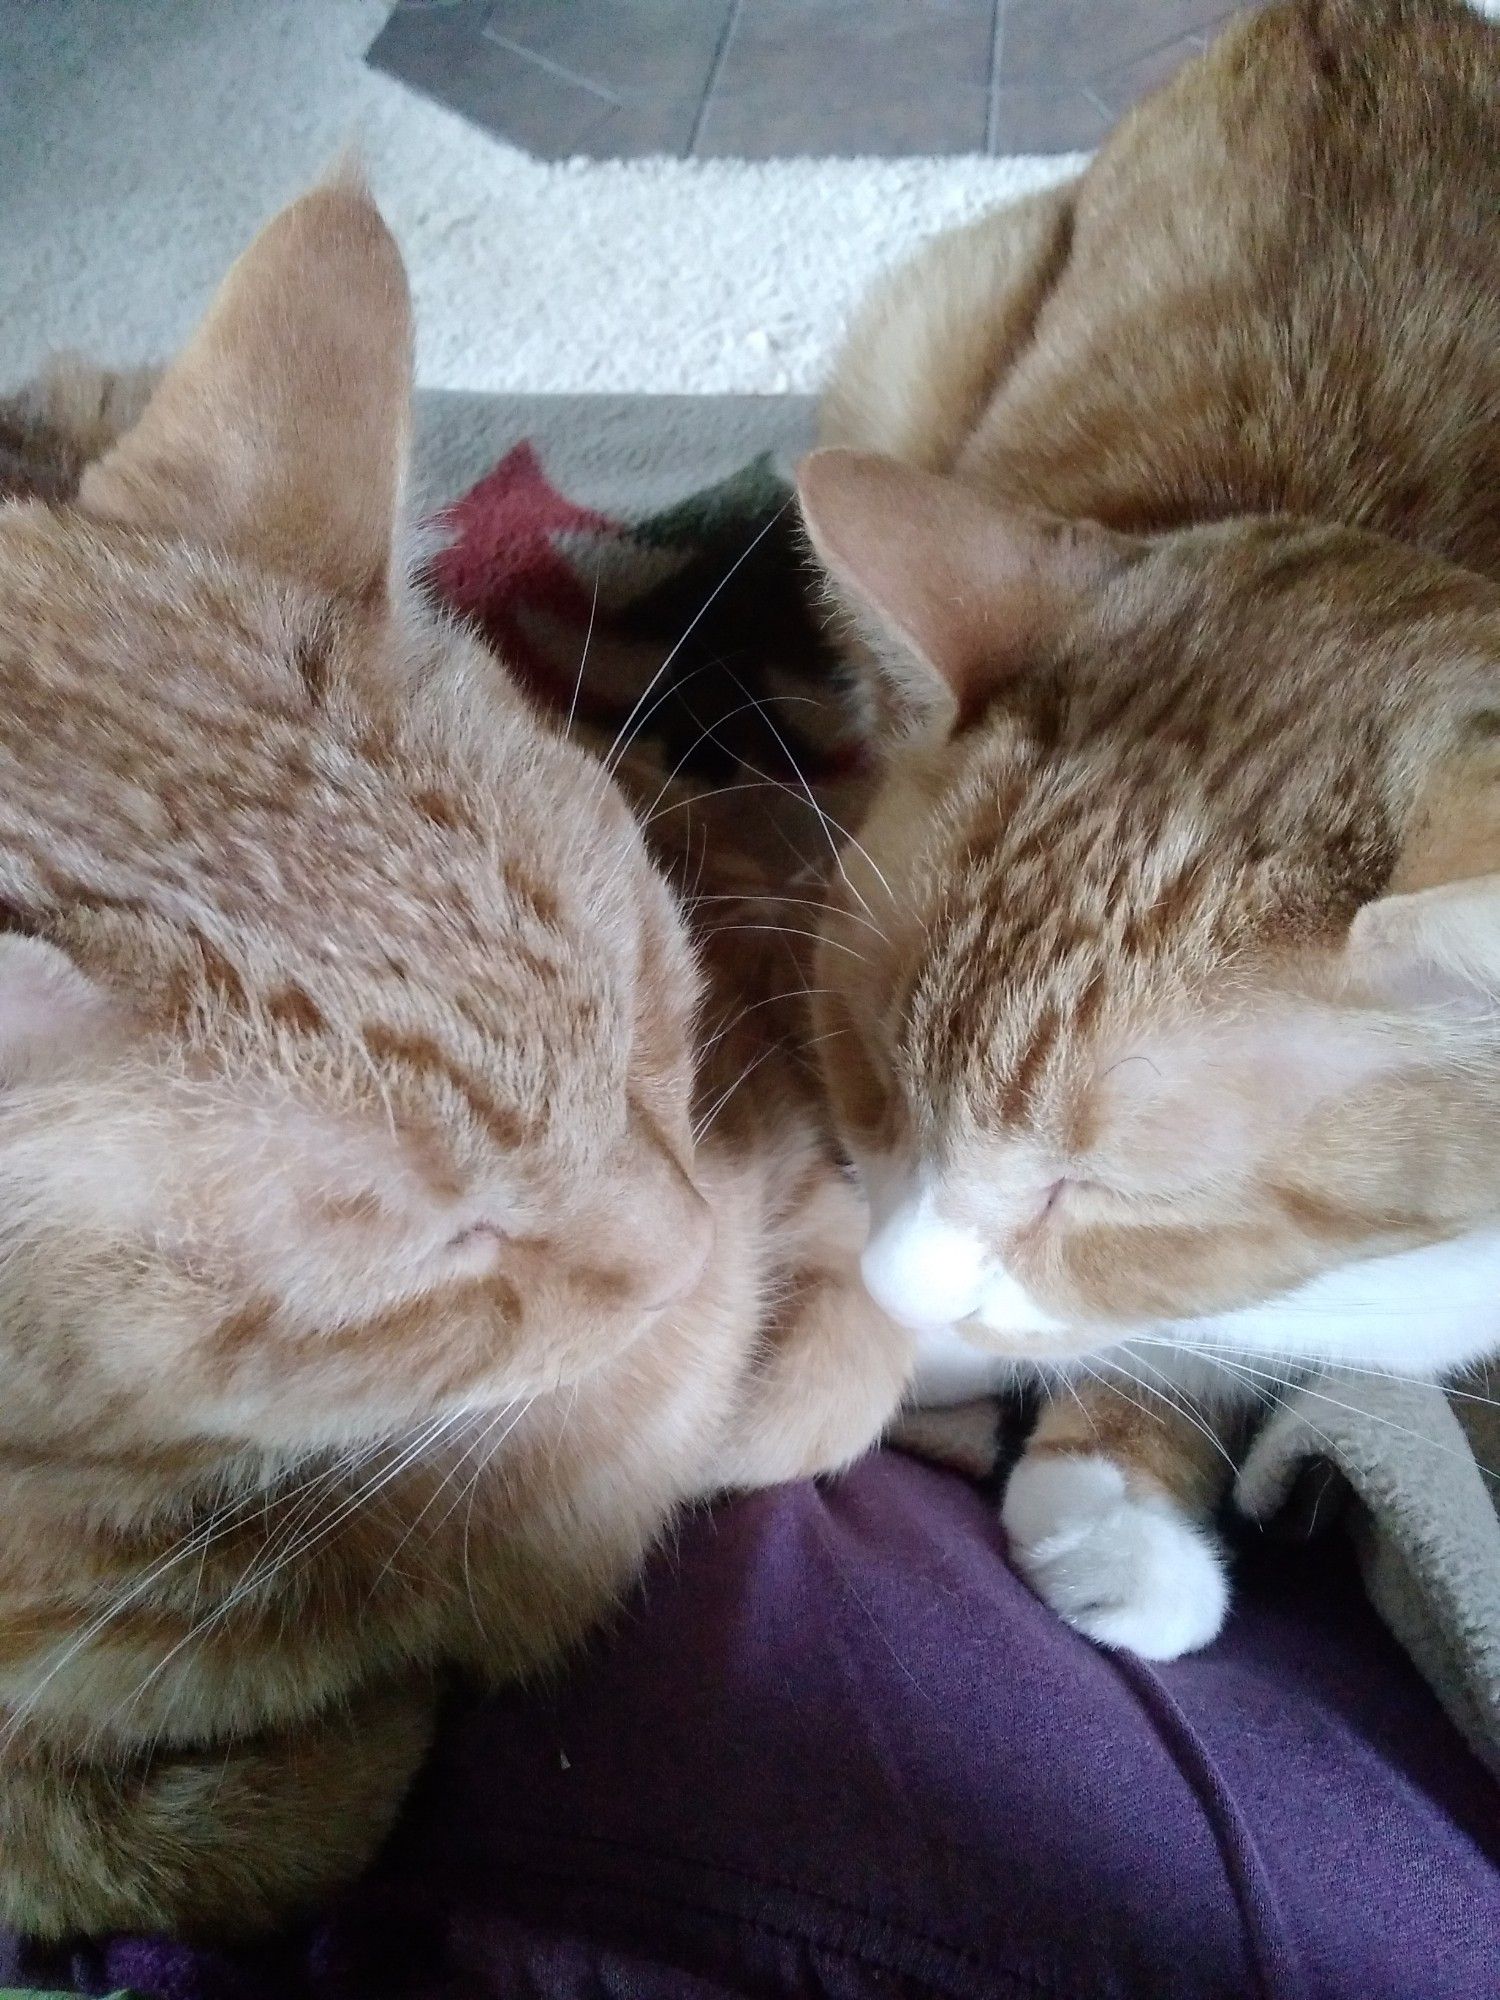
(50, 1014)
(280, 431)
(968, 587)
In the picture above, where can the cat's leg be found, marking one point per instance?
(962, 1437)
(221, 1841)
(1109, 1517)
(830, 1370)
(937, 336)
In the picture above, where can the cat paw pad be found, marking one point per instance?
(1128, 1569)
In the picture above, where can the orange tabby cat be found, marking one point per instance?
(1170, 539)
(365, 1302)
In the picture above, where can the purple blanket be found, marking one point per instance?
(836, 1748)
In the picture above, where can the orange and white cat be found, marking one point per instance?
(375, 1277)
(1164, 508)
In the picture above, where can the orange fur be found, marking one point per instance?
(368, 1299)
(1176, 591)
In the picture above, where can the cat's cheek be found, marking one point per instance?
(1127, 1568)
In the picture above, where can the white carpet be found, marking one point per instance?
(142, 141)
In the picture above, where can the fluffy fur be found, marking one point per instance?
(375, 1277)
(1165, 511)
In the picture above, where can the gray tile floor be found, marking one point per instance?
(771, 79)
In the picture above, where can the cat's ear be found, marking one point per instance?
(280, 431)
(955, 593)
(1434, 938)
(1437, 947)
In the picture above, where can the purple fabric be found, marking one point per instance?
(837, 1749)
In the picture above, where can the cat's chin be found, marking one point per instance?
(958, 1363)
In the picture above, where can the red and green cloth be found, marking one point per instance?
(696, 624)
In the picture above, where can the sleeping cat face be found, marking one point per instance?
(1161, 984)
(344, 1026)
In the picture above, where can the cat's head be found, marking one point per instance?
(1163, 976)
(345, 1028)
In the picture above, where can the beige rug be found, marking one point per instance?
(143, 141)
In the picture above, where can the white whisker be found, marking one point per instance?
(1180, 1403)
(257, 1578)
(701, 1128)
(583, 658)
(796, 902)
(196, 1543)
(825, 820)
(1279, 1386)
(786, 930)
(623, 740)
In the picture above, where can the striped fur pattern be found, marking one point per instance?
(1163, 513)
(376, 1276)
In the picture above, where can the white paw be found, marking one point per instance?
(1127, 1568)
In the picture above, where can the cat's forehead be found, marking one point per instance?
(1109, 853)
(229, 826)
(1220, 743)
(1221, 760)
(1102, 863)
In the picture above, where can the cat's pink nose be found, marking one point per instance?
(923, 1270)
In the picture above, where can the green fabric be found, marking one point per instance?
(721, 512)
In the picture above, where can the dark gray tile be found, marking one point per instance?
(1128, 85)
(763, 79)
(1029, 118)
(636, 51)
(851, 76)
(635, 131)
(1067, 70)
(443, 54)
(604, 78)
(1052, 43)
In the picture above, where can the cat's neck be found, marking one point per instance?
(1422, 1313)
